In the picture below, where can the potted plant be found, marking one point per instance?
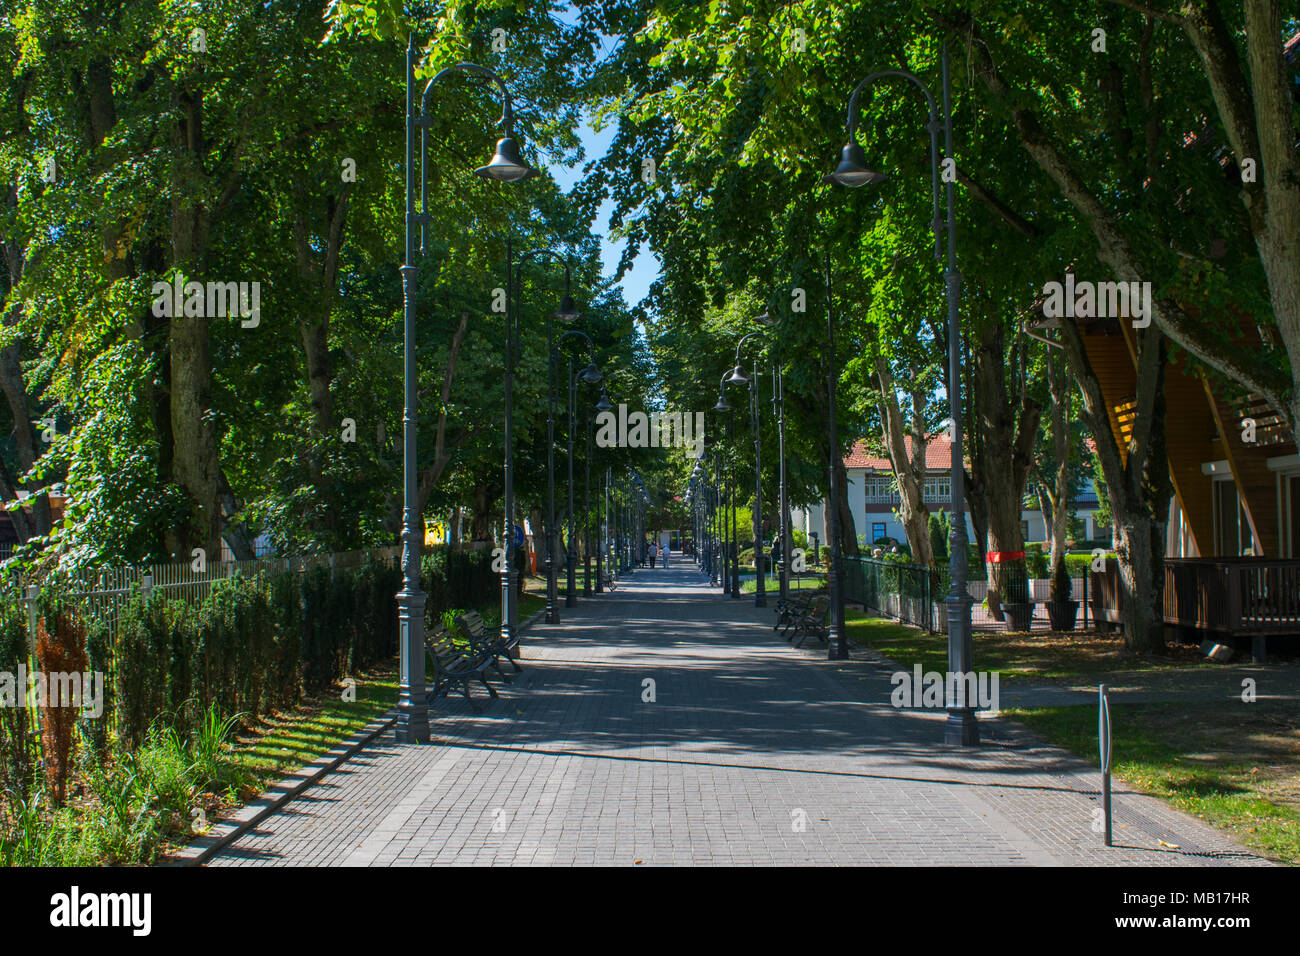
(1061, 611)
(1017, 608)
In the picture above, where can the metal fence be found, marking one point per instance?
(914, 594)
(904, 592)
(101, 594)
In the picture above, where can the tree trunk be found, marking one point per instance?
(195, 464)
(909, 471)
(1138, 486)
(481, 519)
(848, 530)
(1008, 424)
(15, 388)
(1060, 385)
(17, 514)
(455, 529)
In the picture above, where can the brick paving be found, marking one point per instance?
(751, 752)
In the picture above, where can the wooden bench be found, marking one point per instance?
(480, 635)
(811, 621)
(456, 664)
(790, 613)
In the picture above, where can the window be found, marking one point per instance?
(1024, 530)
(877, 531)
(937, 488)
(880, 490)
(1232, 534)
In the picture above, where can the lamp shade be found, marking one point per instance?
(591, 375)
(603, 405)
(737, 376)
(506, 165)
(568, 310)
(722, 405)
(852, 170)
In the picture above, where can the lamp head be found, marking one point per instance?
(737, 376)
(603, 405)
(591, 375)
(767, 318)
(852, 170)
(568, 311)
(722, 405)
(507, 164)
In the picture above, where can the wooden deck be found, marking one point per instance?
(1227, 597)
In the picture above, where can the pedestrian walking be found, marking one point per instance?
(654, 551)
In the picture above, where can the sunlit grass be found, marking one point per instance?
(1040, 655)
(1234, 765)
(281, 744)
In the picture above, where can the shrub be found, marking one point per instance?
(940, 526)
(142, 672)
(1061, 586)
(60, 651)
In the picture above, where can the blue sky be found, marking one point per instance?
(646, 267)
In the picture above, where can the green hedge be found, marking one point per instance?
(255, 644)
(18, 752)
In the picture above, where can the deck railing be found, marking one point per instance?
(1228, 595)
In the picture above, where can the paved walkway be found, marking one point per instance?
(751, 752)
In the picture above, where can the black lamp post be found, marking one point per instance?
(961, 727)
(731, 556)
(601, 406)
(778, 400)
(778, 404)
(567, 313)
(591, 376)
(506, 165)
(602, 556)
(737, 376)
(838, 639)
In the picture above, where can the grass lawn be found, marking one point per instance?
(1041, 655)
(281, 744)
(1234, 765)
(806, 582)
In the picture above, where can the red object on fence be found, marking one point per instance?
(997, 557)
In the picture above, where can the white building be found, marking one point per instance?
(873, 499)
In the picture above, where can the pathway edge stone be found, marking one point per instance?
(276, 796)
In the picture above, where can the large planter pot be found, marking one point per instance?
(1019, 615)
(1062, 614)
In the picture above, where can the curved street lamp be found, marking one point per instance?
(961, 727)
(506, 165)
(731, 555)
(567, 313)
(589, 376)
(737, 376)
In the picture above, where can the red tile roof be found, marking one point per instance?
(938, 455)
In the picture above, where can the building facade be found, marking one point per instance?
(874, 499)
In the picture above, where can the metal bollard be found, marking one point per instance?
(1103, 745)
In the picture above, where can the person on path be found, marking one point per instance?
(665, 555)
(654, 551)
